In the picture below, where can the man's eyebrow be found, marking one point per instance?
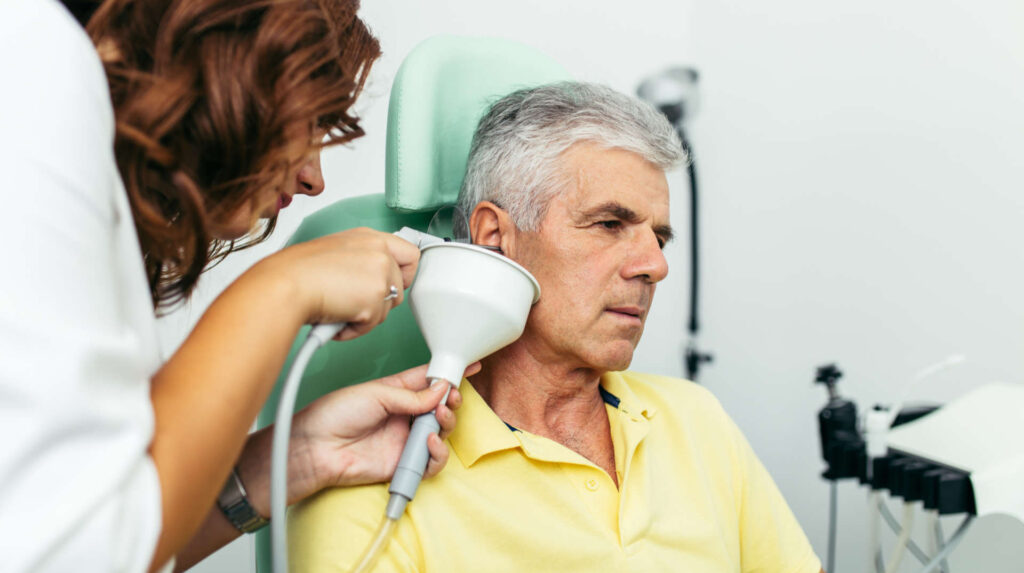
(614, 209)
(620, 211)
(665, 232)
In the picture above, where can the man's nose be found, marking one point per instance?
(647, 260)
(310, 180)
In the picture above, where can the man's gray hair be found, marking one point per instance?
(515, 158)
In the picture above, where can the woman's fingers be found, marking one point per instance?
(438, 455)
(446, 418)
(355, 276)
(472, 369)
(404, 402)
(454, 399)
(377, 308)
(407, 255)
(415, 379)
(412, 379)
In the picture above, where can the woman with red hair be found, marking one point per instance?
(133, 162)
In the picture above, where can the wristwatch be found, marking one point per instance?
(233, 502)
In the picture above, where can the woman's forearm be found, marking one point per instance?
(214, 532)
(207, 395)
(253, 467)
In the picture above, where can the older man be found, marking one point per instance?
(563, 461)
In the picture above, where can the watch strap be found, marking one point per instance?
(234, 503)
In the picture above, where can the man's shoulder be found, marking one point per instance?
(679, 403)
(676, 392)
(334, 524)
(341, 503)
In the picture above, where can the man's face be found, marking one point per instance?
(597, 257)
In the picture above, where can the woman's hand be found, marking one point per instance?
(353, 436)
(345, 277)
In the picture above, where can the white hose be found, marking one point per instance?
(380, 541)
(874, 535)
(930, 517)
(941, 556)
(938, 542)
(911, 546)
(901, 543)
(318, 336)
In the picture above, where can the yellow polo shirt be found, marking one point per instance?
(693, 498)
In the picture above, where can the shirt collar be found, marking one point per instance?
(480, 431)
(615, 384)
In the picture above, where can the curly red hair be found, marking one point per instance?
(217, 103)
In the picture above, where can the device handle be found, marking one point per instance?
(413, 463)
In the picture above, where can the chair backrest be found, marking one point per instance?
(442, 89)
(440, 92)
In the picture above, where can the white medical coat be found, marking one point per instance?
(78, 490)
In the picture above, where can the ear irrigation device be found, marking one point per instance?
(468, 302)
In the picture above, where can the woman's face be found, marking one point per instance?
(306, 180)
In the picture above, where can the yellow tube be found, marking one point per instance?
(380, 541)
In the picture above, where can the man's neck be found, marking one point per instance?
(559, 401)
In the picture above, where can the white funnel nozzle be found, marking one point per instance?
(468, 302)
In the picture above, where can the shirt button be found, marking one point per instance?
(591, 484)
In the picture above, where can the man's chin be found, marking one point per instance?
(619, 366)
(616, 360)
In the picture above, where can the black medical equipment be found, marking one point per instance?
(674, 93)
(845, 450)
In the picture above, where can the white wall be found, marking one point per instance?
(861, 203)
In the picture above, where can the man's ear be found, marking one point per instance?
(490, 225)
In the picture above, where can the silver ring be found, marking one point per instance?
(392, 293)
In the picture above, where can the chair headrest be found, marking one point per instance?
(440, 92)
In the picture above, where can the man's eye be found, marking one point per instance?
(611, 224)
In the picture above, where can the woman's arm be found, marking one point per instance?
(206, 396)
(351, 436)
